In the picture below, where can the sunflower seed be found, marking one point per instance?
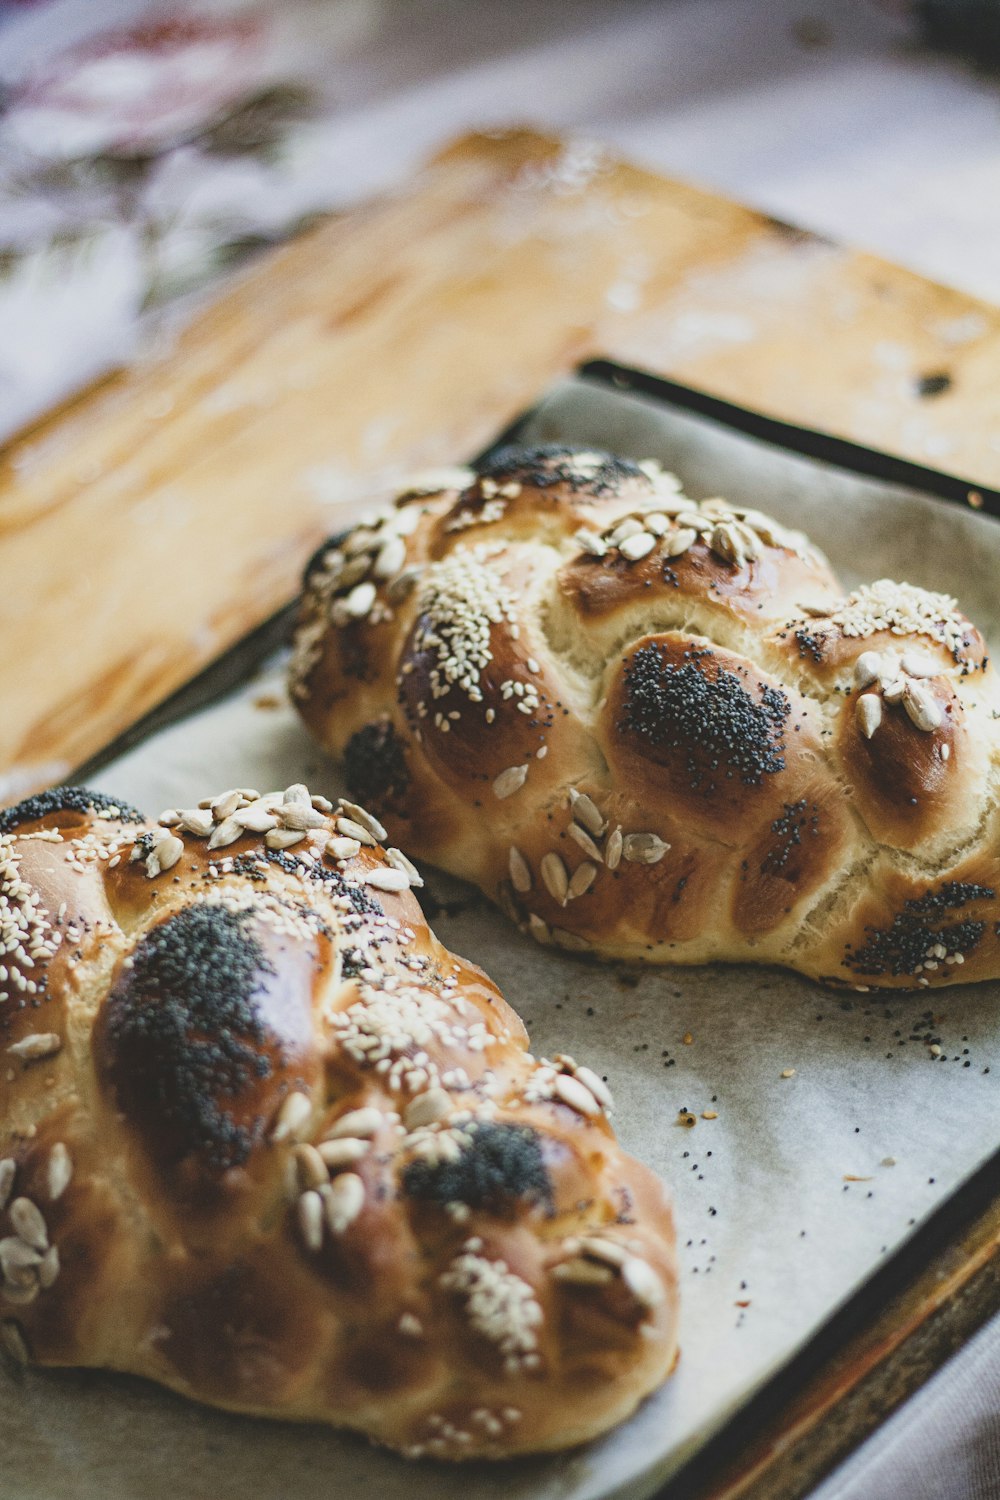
(345, 1198)
(20, 1296)
(613, 849)
(507, 901)
(520, 872)
(311, 1167)
(642, 1281)
(604, 1250)
(582, 837)
(8, 1171)
(426, 1108)
(637, 546)
(656, 522)
(627, 528)
(922, 706)
(49, 1268)
(169, 851)
(17, 1257)
(360, 600)
(579, 1272)
(676, 507)
(170, 817)
(364, 819)
(60, 1171)
(310, 1215)
(554, 875)
(350, 574)
(344, 1151)
(539, 930)
(945, 752)
(644, 848)
(343, 848)
(391, 558)
(405, 522)
(581, 880)
(385, 878)
(360, 540)
(299, 815)
(572, 942)
(683, 538)
(867, 669)
(225, 833)
(164, 855)
(576, 1094)
(510, 781)
(869, 713)
(590, 542)
(256, 818)
(293, 1114)
(37, 1044)
(892, 691)
(748, 539)
(224, 805)
(362, 1122)
(283, 838)
(403, 584)
(352, 830)
(596, 1085)
(196, 820)
(586, 811)
(13, 1341)
(399, 861)
(27, 1219)
(917, 664)
(725, 542)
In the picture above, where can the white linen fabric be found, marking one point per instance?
(145, 144)
(942, 1444)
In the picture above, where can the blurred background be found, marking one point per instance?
(147, 148)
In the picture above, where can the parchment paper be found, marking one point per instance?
(772, 1235)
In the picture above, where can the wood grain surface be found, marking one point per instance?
(157, 519)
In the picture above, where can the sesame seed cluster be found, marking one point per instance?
(903, 609)
(27, 936)
(458, 602)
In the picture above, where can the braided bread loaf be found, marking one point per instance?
(266, 1141)
(660, 730)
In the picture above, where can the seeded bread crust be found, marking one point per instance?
(658, 730)
(267, 1142)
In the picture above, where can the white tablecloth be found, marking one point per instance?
(116, 199)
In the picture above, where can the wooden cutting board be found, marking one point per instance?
(163, 514)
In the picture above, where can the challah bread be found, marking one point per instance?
(267, 1142)
(660, 730)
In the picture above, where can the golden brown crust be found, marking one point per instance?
(759, 749)
(270, 1144)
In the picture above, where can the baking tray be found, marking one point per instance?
(805, 1204)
